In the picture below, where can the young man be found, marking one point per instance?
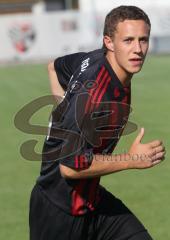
(67, 201)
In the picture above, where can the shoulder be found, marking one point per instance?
(87, 71)
(90, 64)
(93, 57)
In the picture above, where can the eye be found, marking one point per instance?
(144, 40)
(128, 40)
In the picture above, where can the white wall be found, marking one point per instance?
(54, 34)
(39, 36)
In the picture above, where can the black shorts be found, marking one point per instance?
(112, 220)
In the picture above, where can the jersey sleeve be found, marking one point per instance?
(80, 159)
(66, 66)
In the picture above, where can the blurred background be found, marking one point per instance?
(34, 32)
(39, 30)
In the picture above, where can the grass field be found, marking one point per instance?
(146, 192)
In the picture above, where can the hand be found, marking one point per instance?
(145, 155)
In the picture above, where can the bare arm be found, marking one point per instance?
(56, 88)
(101, 165)
(140, 156)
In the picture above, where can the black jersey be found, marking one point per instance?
(88, 121)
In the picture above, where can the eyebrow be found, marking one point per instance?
(144, 37)
(140, 38)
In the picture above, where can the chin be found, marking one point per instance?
(135, 70)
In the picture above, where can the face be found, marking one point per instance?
(130, 45)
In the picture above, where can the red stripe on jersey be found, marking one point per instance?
(92, 193)
(116, 92)
(77, 200)
(102, 82)
(76, 162)
(86, 164)
(92, 90)
(81, 160)
(125, 99)
(103, 91)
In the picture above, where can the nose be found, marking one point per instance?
(137, 47)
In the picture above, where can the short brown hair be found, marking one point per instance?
(121, 14)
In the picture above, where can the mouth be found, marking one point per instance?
(136, 61)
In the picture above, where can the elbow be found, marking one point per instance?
(68, 173)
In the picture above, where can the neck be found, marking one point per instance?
(123, 76)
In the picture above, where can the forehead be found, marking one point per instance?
(132, 28)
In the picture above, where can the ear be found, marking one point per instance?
(108, 43)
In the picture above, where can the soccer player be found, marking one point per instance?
(67, 201)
